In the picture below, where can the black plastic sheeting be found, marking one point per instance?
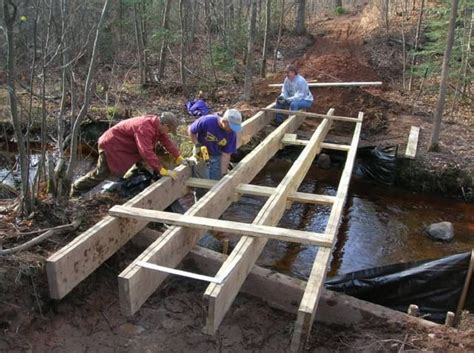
(435, 286)
(378, 163)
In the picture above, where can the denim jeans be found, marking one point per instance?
(294, 105)
(210, 170)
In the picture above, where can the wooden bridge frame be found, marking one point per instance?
(73, 263)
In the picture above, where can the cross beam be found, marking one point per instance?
(296, 236)
(258, 190)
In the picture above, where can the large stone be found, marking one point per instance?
(442, 231)
(324, 161)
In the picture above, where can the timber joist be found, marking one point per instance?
(144, 275)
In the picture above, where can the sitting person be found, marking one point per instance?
(127, 143)
(295, 94)
(219, 136)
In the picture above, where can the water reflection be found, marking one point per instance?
(380, 225)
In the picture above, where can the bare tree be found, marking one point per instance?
(139, 39)
(444, 78)
(182, 65)
(87, 96)
(300, 17)
(263, 67)
(164, 41)
(10, 16)
(280, 28)
(417, 39)
(249, 62)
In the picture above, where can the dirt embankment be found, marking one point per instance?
(350, 48)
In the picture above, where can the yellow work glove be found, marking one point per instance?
(166, 172)
(180, 160)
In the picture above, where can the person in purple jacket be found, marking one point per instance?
(219, 135)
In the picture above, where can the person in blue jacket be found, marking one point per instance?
(295, 93)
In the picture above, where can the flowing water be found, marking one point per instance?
(381, 225)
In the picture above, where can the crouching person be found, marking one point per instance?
(219, 136)
(295, 94)
(127, 143)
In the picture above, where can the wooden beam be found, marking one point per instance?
(335, 84)
(412, 142)
(219, 297)
(284, 292)
(135, 284)
(258, 190)
(290, 139)
(290, 235)
(74, 262)
(309, 303)
(313, 115)
(251, 126)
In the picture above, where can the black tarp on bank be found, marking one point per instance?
(435, 286)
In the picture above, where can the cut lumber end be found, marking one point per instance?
(54, 292)
(412, 142)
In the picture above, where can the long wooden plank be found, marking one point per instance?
(291, 139)
(309, 303)
(258, 190)
(252, 126)
(74, 262)
(412, 142)
(313, 115)
(219, 297)
(255, 230)
(335, 84)
(282, 292)
(135, 284)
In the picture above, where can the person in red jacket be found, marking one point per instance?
(129, 142)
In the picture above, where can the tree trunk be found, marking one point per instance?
(263, 68)
(386, 12)
(415, 48)
(404, 50)
(182, 64)
(444, 78)
(42, 160)
(300, 20)
(468, 25)
(87, 96)
(280, 28)
(10, 14)
(249, 61)
(207, 16)
(337, 3)
(140, 49)
(164, 42)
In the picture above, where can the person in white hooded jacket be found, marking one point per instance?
(295, 93)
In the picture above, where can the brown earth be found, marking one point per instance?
(89, 318)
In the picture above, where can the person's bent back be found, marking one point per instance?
(127, 143)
